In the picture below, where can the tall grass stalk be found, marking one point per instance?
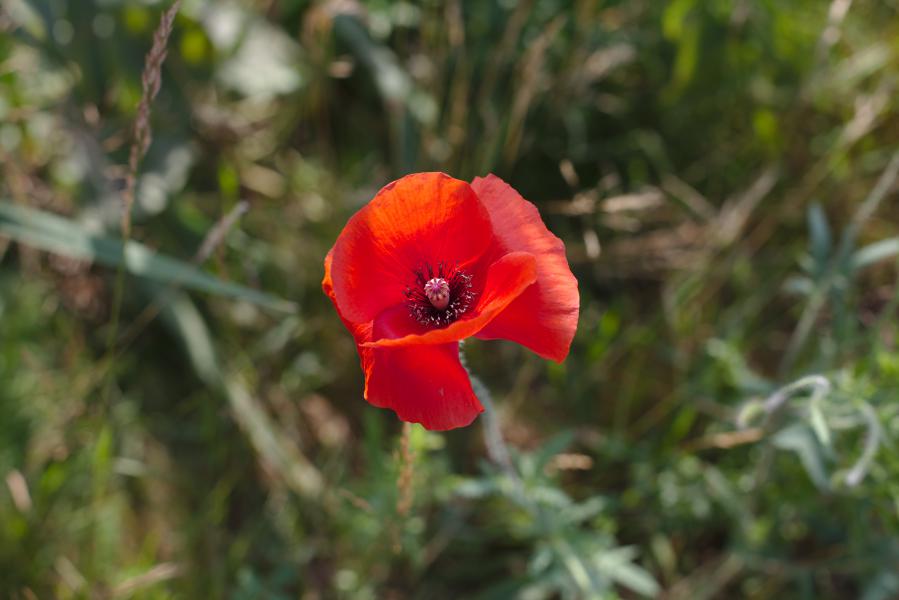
(151, 81)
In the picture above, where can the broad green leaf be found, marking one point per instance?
(819, 424)
(60, 235)
(875, 252)
(872, 444)
(799, 438)
(584, 511)
(820, 237)
(616, 565)
(799, 285)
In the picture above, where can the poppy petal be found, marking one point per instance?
(426, 218)
(362, 332)
(423, 384)
(544, 317)
(506, 280)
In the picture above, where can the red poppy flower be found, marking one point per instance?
(432, 260)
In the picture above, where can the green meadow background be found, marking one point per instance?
(181, 414)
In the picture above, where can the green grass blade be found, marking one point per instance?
(57, 234)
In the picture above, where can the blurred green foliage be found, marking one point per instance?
(723, 173)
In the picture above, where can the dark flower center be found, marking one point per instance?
(439, 296)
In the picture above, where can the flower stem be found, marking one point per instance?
(497, 449)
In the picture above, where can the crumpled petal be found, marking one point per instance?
(362, 332)
(506, 279)
(423, 384)
(544, 317)
(425, 218)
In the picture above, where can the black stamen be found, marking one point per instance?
(460, 299)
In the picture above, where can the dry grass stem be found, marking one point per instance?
(157, 574)
(151, 80)
(831, 34)
(725, 440)
(18, 489)
(404, 487)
